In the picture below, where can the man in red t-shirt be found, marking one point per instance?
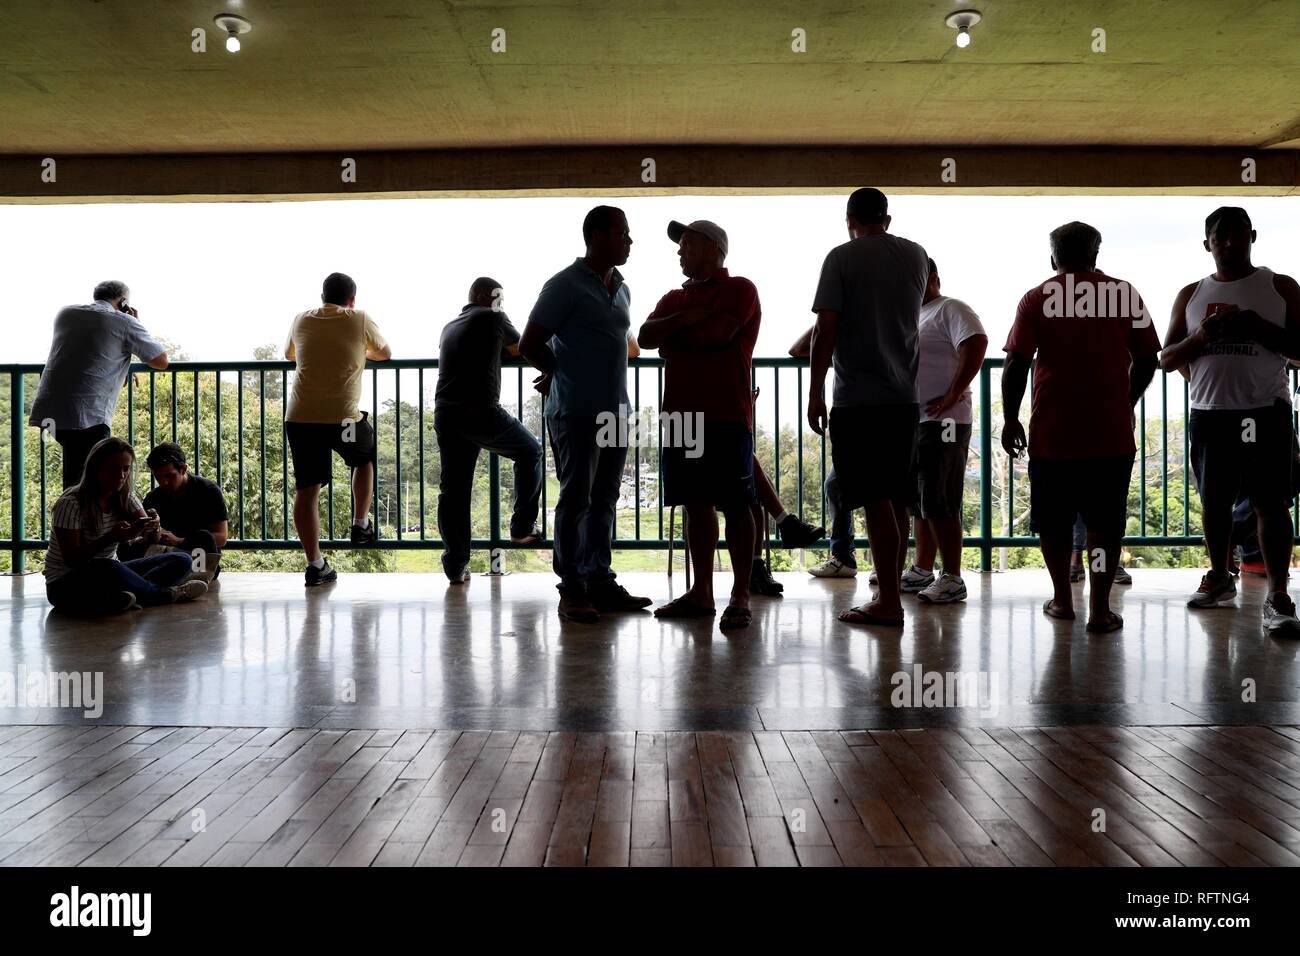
(705, 332)
(1096, 347)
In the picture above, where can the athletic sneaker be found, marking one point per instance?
(1254, 567)
(459, 577)
(127, 603)
(1214, 593)
(1076, 572)
(322, 575)
(798, 534)
(914, 580)
(363, 537)
(188, 591)
(1122, 576)
(835, 568)
(1279, 617)
(947, 589)
(873, 579)
(761, 581)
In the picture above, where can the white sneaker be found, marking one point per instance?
(873, 579)
(947, 589)
(1122, 576)
(834, 568)
(1279, 617)
(914, 580)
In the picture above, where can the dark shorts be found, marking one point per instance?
(311, 444)
(1062, 489)
(1227, 466)
(873, 449)
(721, 476)
(941, 468)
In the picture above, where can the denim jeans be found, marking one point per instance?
(463, 431)
(94, 588)
(841, 523)
(584, 515)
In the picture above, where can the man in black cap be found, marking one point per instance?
(868, 306)
(1230, 334)
(706, 332)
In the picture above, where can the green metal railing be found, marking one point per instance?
(776, 433)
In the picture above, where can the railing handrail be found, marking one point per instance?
(257, 421)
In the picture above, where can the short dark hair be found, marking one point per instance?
(483, 286)
(168, 453)
(600, 219)
(1075, 245)
(868, 206)
(933, 267)
(338, 288)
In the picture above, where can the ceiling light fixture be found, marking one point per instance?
(234, 26)
(962, 21)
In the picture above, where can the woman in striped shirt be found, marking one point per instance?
(82, 572)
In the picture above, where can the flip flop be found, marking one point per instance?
(1049, 609)
(859, 615)
(1113, 623)
(735, 617)
(680, 608)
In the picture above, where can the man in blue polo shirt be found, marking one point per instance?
(579, 337)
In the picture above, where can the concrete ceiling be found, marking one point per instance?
(118, 76)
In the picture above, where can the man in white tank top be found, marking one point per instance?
(1230, 336)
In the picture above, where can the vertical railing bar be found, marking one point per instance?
(196, 420)
(261, 432)
(1164, 456)
(986, 468)
(1186, 416)
(218, 442)
(1142, 495)
(798, 430)
(374, 429)
(153, 417)
(284, 454)
(420, 445)
(18, 467)
(397, 414)
(636, 473)
(173, 406)
(239, 444)
(776, 431)
(659, 418)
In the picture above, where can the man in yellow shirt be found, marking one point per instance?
(331, 345)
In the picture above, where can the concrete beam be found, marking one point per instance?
(622, 170)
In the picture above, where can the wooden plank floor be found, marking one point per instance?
(1025, 796)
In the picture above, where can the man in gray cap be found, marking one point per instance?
(706, 332)
(1231, 334)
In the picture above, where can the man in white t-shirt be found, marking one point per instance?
(952, 344)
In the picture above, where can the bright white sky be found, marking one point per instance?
(219, 279)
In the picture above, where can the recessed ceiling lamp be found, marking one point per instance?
(234, 26)
(962, 21)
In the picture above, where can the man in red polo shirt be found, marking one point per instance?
(705, 332)
(1096, 348)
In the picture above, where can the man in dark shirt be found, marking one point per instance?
(468, 417)
(191, 511)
